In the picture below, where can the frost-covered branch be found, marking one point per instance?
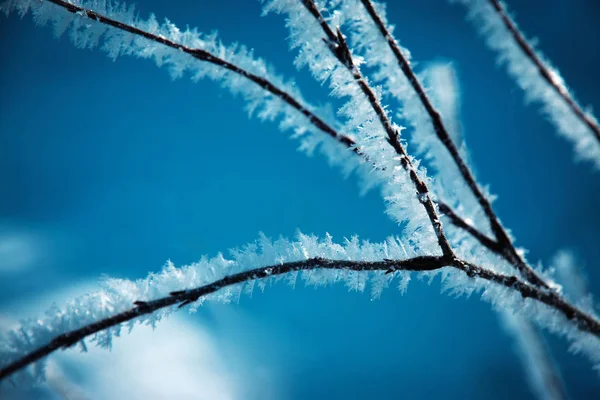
(167, 36)
(339, 48)
(584, 321)
(481, 237)
(204, 55)
(504, 243)
(120, 31)
(542, 372)
(185, 297)
(375, 138)
(547, 73)
(535, 75)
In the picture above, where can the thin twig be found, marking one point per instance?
(481, 237)
(264, 83)
(551, 379)
(204, 55)
(502, 237)
(584, 321)
(339, 48)
(581, 319)
(185, 297)
(544, 70)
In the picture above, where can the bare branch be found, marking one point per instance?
(346, 58)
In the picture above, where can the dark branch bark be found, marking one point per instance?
(583, 321)
(338, 45)
(544, 70)
(339, 48)
(268, 86)
(184, 297)
(208, 57)
(481, 237)
(203, 55)
(502, 238)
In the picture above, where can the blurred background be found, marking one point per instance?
(113, 168)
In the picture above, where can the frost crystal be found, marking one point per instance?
(526, 74)
(117, 295)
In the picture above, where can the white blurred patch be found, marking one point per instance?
(177, 360)
(61, 386)
(444, 89)
(569, 271)
(18, 251)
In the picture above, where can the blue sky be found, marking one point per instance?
(113, 168)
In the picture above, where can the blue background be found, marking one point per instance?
(120, 169)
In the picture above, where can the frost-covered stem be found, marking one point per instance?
(339, 48)
(543, 69)
(184, 297)
(422, 263)
(204, 55)
(529, 338)
(584, 321)
(502, 237)
(481, 237)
